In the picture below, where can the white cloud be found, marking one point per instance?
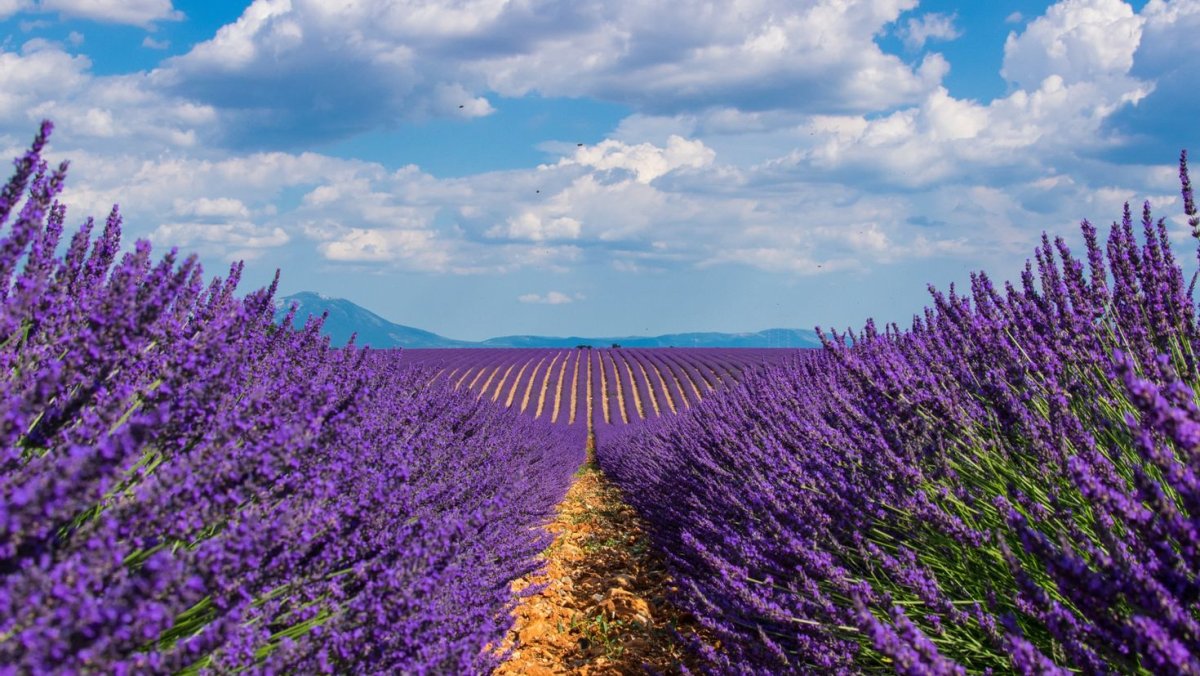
(416, 248)
(237, 45)
(150, 43)
(645, 160)
(550, 298)
(947, 138)
(233, 240)
(102, 114)
(37, 76)
(1076, 40)
(1169, 41)
(455, 100)
(1072, 76)
(761, 55)
(857, 179)
(75, 38)
(1161, 13)
(933, 26)
(1015, 17)
(133, 12)
(533, 227)
(216, 207)
(11, 7)
(310, 69)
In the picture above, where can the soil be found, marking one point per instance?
(606, 606)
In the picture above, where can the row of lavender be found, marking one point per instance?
(610, 387)
(185, 486)
(1011, 485)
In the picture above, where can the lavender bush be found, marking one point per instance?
(1009, 485)
(185, 486)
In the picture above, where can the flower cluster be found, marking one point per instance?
(1012, 484)
(186, 486)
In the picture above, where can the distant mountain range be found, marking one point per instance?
(346, 318)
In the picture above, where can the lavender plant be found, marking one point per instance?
(1010, 485)
(187, 487)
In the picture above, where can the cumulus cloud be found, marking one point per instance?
(232, 240)
(1071, 79)
(209, 207)
(1165, 120)
(35, 76)
(414, 248)
(1076, 41)
(706, 173)
(762, 55)
(947, 138)
(101, 114)
(453, 100)
(550, 298)
(11, 7)
(534, 227)
(933, 26)
(289, 72)
(1169, 31)
(645, 161)
(142, 13)
(356, 213)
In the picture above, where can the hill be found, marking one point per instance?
(767, 338)
(346, 318)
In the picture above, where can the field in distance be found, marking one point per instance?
(608, 386)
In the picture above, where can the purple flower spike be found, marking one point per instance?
(184, 484)
(1009, 486)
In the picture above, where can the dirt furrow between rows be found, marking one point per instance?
(605, 607)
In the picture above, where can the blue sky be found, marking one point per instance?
(607, 167)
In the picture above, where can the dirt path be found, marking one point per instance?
(605, 609)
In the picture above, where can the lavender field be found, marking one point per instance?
(186, 487)
(1008, 485)
(595, 387)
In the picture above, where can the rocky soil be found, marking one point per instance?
(605, 608)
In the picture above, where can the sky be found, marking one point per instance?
(481, 168)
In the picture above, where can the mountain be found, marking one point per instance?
(767, 338)
(346, 318)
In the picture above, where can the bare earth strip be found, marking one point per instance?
(488, 383)
(678, 394)
(463, 377)
(590, 420)
(650, 388)
(482, 370)
(574, 392)
(541, 402)
(617, 388)
(637, 398)
(558, 389)
(605, 607)
(503, 379)
(529, 385)
(663, 387)
(512, 393)
(599, 367)
(681, 369)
